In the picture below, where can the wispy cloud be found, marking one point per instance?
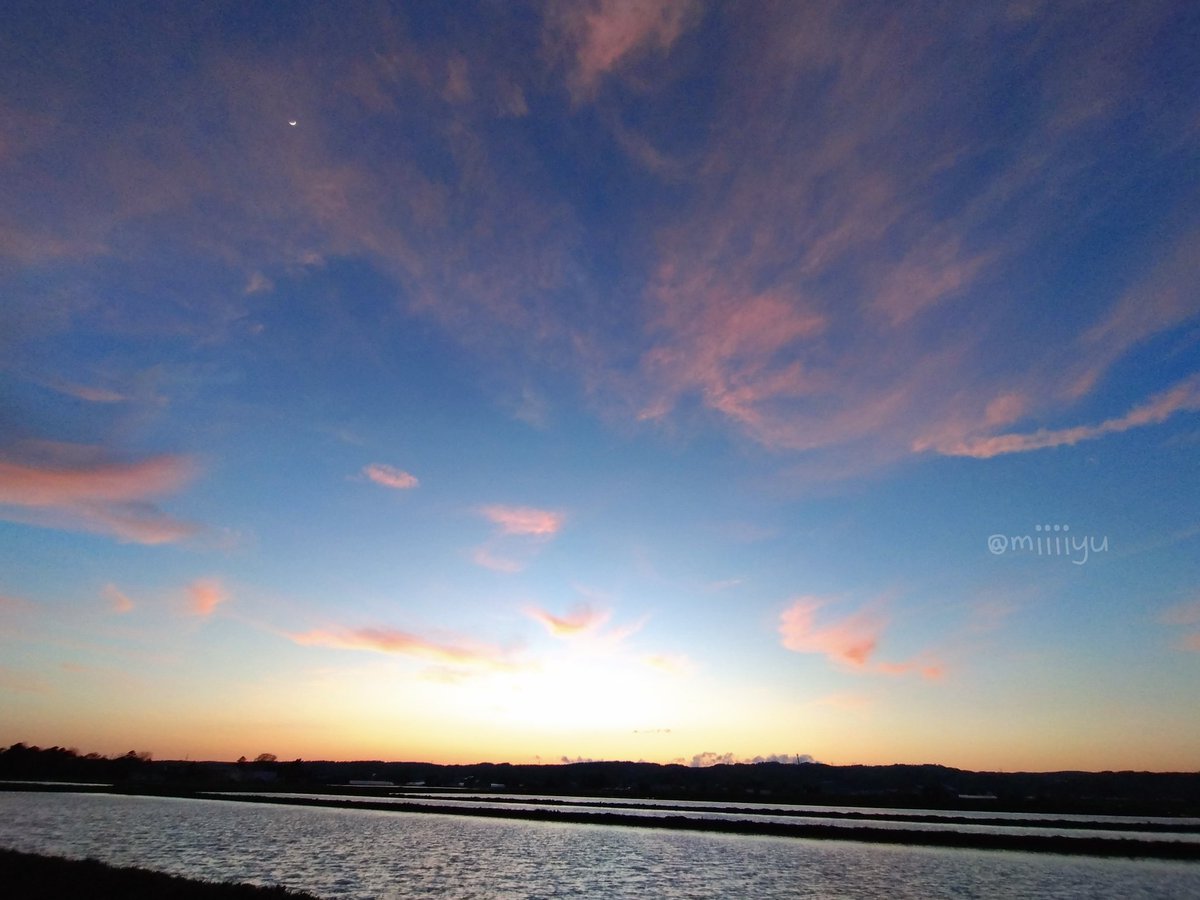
(390, 476)
(1184, 615)
(524, 520)
(20, 681)
(258, 283)
(815, 253)
(850, 642)
(204, 596)
(89, 393)
(579, 620)
(1183, 396)
(604, 34)
(120, 602)
(484, 556)
(519, 532)
(809, 223)
(75, 487)
(404, 643)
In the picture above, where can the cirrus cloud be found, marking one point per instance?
(1181, 397)
(76, 487)
(395, 641)
(520, 529)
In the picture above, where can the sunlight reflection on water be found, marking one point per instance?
(357, 854)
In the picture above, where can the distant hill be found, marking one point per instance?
(932, 786)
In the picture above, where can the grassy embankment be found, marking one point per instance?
(28, 876)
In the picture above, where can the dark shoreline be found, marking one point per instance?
(941, 817)
(34, 876)
(1086, 846)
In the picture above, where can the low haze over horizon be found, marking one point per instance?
(658, 380)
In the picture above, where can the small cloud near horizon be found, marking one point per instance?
(708, 758)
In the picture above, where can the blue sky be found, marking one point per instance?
(633, 379)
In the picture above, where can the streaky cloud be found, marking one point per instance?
(524, 520)
(75, 487)
(1181, 397)
(404, 643)
(603, 35)
(483, 556)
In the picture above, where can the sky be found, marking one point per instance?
(659, 380)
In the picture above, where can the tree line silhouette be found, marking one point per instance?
(1142, 793)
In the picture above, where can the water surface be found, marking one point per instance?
(360, 854)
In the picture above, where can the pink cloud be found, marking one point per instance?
(849, 642)
(389, 476)
(66, 485)
(7, 602)
(394, 641)
(611, 31)
(88, 393)
(1186, 615)
(520, 530)
(579, 620)
(1182, 614)
(933, 273)
(1181, 397)
(932, 671)
(524, 520)
(482, 556)
(22, 681)
(784, 208)
(1004, 409)
(72, 486)
(1162, 300)
(121, 603)
(204, 596)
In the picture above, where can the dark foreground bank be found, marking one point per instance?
(25, 876)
